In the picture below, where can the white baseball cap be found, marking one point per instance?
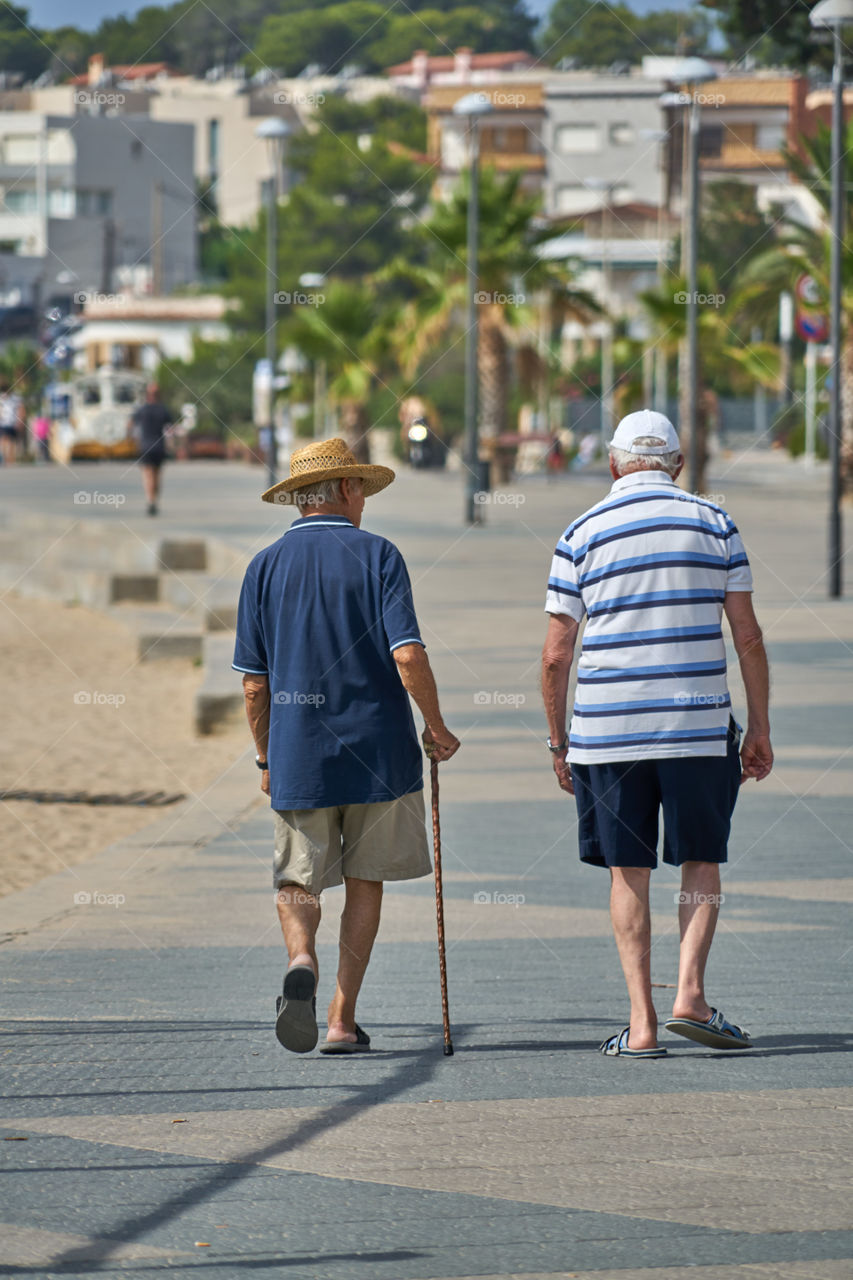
(645, 424)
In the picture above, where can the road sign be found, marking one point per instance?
(808, 292)
(812, 326)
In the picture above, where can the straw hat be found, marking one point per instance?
(327, 460)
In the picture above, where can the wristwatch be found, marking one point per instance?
(562, 746)
(263, 765)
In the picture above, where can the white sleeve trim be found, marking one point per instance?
(408, 640)
(557, 606)
(249, 671)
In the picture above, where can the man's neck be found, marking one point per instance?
(326, 509)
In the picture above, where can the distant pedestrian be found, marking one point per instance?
(11, 422)
(653, 569)
(148, 428)
(328, 642)
(40, 427)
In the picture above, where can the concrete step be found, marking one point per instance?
(142, 587)
(183, 553)
(219, 701)
(205, 596)
(160, 633)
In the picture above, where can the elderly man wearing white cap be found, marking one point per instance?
(653, 569)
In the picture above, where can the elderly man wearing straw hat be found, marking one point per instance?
(329, 647)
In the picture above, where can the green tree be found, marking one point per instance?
(331, 37)
(732, 230)
(354, 197)
(70, 50)
(513, 281)
(801, 250)
(346, 330)
(598, 33)
(771, 33)
(21, 47)
(218, 381)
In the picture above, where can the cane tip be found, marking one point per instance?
(448, 1051)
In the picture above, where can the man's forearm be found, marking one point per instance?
(418, 681)
(555, 692)
(256, 692)
(557, 656)
(755, 672)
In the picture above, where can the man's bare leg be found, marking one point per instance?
(151, 484)
(359, 924)
(632, 929)
(299, 915)
(698, 910)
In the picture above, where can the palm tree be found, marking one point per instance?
(801, 250)
(512, 281)
(723, 356)
(344, 328)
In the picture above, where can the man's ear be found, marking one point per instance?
(679, 468)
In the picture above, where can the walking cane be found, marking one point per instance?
(439, 908)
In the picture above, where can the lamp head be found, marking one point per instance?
(272, 129)
(832, 13)
(472, 104)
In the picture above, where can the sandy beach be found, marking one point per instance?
(81, 713)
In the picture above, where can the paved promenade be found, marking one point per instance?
(152, 1122)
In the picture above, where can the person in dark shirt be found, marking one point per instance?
(330, 650)
(148, 426)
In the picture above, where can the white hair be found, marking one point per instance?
(625, 461)
(322, 493)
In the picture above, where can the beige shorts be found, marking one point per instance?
(316, 848)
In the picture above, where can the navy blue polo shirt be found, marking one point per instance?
(321, 612)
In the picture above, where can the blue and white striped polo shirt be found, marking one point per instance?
(649, 566)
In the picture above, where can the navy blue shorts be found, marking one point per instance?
(619, 803)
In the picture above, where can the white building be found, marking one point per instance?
(82, 197)
(603, 140)
(136, 333)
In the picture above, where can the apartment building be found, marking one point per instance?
(86, 198)
(510, 135)
(603, 139)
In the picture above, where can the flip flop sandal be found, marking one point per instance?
(716, 1033)
(361, 1044)
(616, 1046)
(296, 1010)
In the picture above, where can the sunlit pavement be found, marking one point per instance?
(163, 1127)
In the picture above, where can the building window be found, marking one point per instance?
(572, 198)
(60, 202)
(710, 139)
(21, 200)
(94, 204)
(212, 150)
(577, 139)
(21, 148)
(770, 137)
(622, 134)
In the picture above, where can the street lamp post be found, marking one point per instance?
(607, 189)
(835, 14)
(472, 106)
(273, 130)
(692, 72)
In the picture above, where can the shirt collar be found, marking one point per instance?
(640, 478)
(320, 522)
